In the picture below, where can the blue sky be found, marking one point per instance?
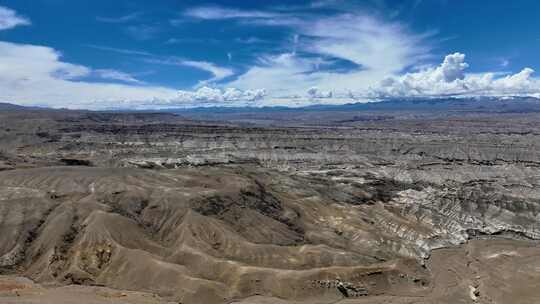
(155, 54)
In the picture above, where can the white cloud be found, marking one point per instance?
(366, 41)
(314, 92)
(374, 48)
(250, 17)
(9, 19)
(51, 82)
(212, 96)
(452, 68)
(449, 78)
(283, 74)
(116, 75)
(218, 73)
(215, 12)
(377, 49)
(119, 51)
(380, 51)
(45, 63)
(519, 83)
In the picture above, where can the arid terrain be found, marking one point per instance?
(424, 204)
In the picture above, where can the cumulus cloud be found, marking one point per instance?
(452, 68)
(212, 96)
(233, 94)
(450, 79)
(9, 19)
(315, 92)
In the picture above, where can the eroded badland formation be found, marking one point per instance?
(409, 206)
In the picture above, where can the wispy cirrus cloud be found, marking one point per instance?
(10, 19)
(119, 50)
(375, 48)
(218, 73)
(191, 40)
(111, 74)
(216, 12)
(251, 40)
(372, 46)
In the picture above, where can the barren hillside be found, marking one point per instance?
(159, 208)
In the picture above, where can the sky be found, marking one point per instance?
(139, 54)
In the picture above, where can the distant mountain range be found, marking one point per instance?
(4, 106)
(481, 104)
